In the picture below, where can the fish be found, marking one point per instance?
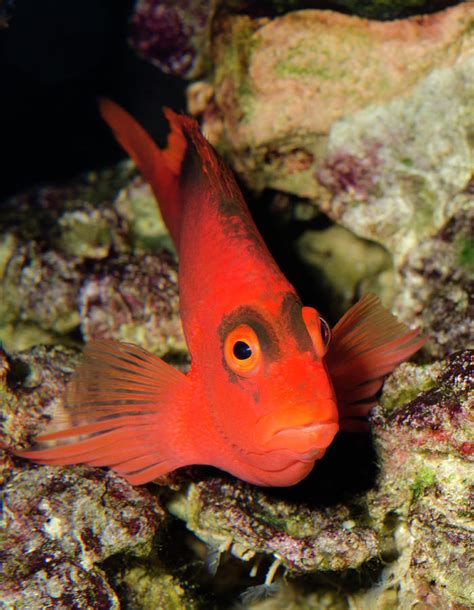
(269, 384)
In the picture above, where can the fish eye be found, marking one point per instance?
(325, 331)
(242, 350)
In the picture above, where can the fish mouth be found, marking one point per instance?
(310, 440)
(304, 429)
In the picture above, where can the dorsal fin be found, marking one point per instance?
(186, 174)
(161, 168)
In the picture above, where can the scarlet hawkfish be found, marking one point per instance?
(267, 387)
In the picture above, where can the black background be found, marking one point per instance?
(57, 57)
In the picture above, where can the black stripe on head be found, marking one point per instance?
(291, 312)
(211, 174)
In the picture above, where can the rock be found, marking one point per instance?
(137, 205)
(372, 124)
(29, 272)
(172, 36)
(347, 122)
(304, 540)
(437, 284)
(425, 450)
(89, 256)
(31, 387)
(134, 298)
(148, 587)
(176, 37)
(278, 95)
(60, 524)
(381, 9)
(63, 524)
(413, 524)
(344, 266)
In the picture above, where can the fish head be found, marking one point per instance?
(270, 396)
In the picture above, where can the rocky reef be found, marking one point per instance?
(87, 249)
(340, 111)
(354, 139)
(404, 539)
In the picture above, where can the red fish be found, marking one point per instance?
(267, 386)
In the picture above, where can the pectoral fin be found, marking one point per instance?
(119, 410)
(367, 343)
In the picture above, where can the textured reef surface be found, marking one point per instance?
(355, 138)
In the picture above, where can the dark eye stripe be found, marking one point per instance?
(291, 310)
(263, 329)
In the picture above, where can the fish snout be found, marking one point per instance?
(301, 428)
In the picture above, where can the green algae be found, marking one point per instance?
(137, 204)
(411, 380)
(233, 62)
(425, 477)
(330, 59)
(465, 250)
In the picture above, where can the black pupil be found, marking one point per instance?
(242, 350)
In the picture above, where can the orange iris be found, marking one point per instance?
(242, 351)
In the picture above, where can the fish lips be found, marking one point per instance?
(304, 429)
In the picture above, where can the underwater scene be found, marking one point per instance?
(237, 305)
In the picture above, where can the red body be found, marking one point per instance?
(264, 414)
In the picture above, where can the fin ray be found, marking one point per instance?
(108, 421)
(159, 167)
(367, 343)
